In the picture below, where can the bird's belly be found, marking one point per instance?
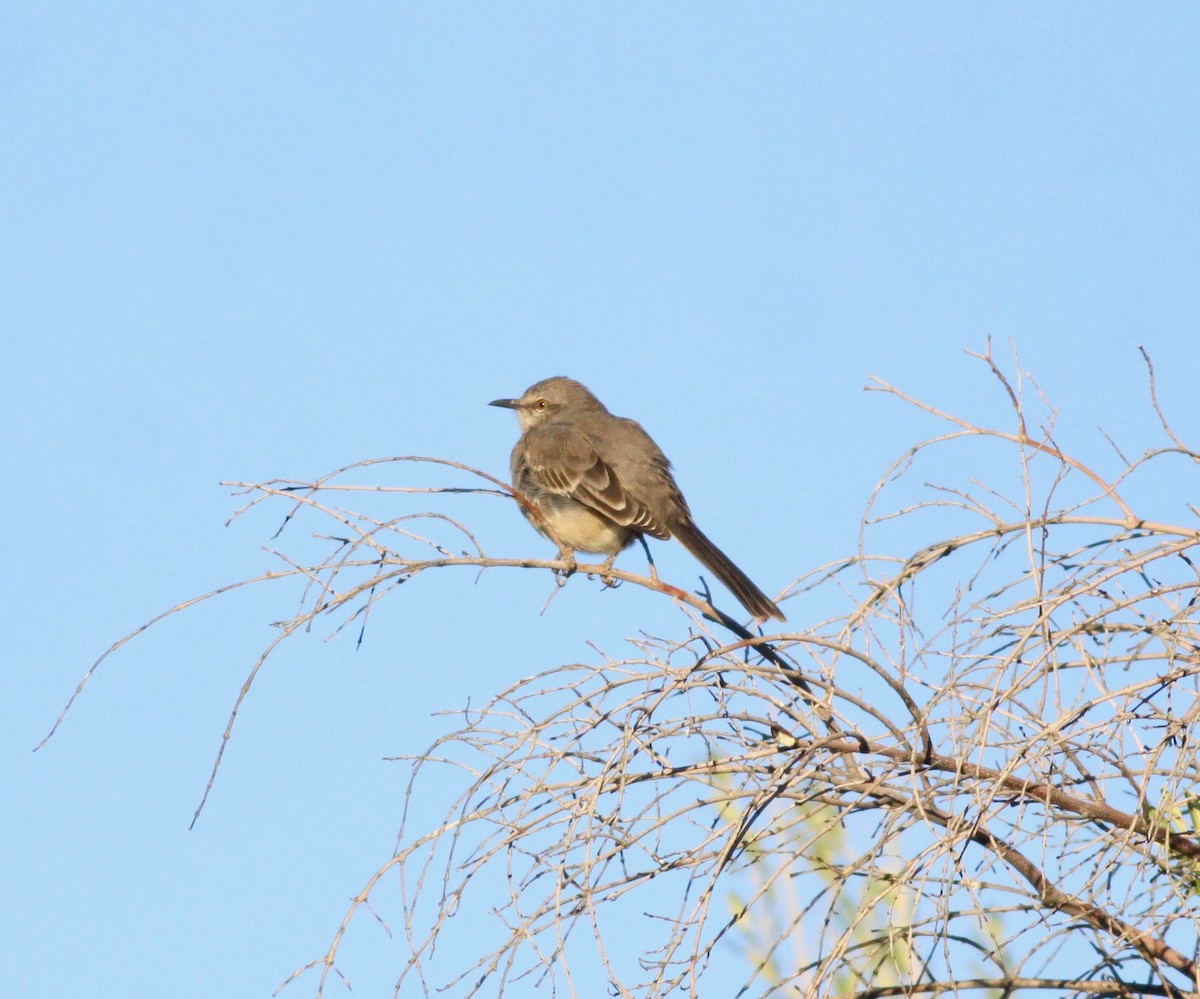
(579, 528)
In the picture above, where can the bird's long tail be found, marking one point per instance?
(717, 562)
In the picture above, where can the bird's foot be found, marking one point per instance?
(606, 576)
(567, 556)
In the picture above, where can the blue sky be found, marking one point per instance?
(243, 241)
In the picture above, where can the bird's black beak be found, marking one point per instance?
(506, 403)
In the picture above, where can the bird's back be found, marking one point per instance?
(641, 467)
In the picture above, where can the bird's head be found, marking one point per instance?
(550, 399)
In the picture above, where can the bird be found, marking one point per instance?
(600, 482)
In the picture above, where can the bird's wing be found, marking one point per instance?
(565, 461)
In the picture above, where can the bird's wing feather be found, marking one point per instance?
(566, 461)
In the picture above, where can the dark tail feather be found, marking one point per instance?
(719, 564)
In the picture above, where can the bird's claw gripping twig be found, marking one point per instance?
(606, 576)
(567, 556)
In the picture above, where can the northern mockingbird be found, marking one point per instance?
(600, 482)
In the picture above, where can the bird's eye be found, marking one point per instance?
(541, 404)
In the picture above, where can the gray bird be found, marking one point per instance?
(601, 482)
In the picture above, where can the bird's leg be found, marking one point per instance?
(649, 558)
(606, 576)
(566, 555)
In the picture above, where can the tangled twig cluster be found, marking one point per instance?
(978, 774)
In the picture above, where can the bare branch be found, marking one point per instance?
(976, 773)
